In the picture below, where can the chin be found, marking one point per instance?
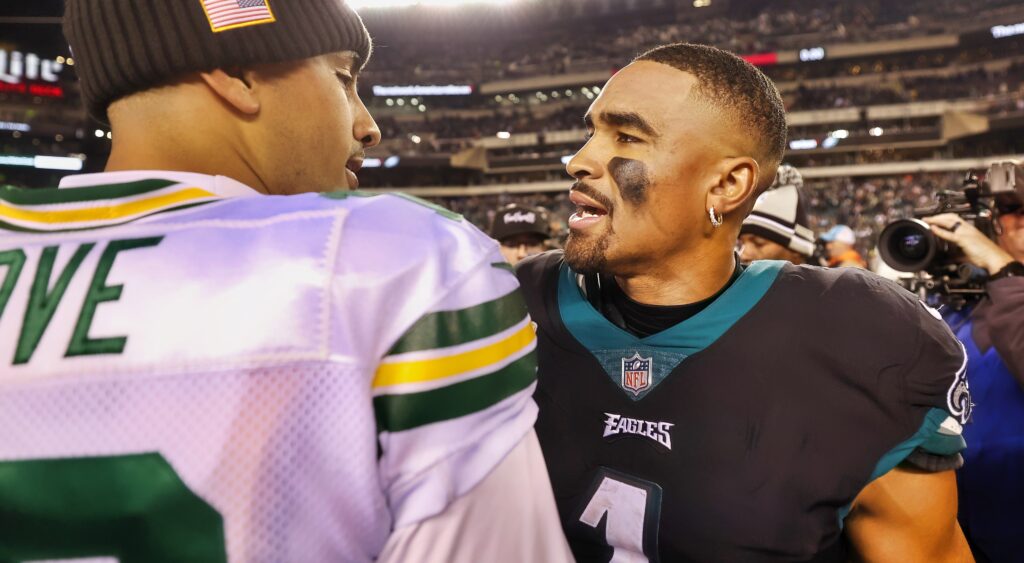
(586, 256)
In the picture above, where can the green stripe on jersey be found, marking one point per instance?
(21, 196)
(451, 328)
(396, 413)
(5, 226)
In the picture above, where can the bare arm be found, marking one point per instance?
(908, 515)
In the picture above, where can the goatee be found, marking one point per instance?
(585, 255)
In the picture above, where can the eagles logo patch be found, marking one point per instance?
(958, 398)
(636, 373)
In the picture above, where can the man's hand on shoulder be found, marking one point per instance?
(908, 515)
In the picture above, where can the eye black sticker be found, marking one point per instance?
(632, 177)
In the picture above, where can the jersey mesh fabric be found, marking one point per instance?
(318, 369)
(293, 476)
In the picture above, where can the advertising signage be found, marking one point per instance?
(16, 67)
(30, 74)
(424, 90)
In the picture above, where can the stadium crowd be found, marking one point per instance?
(793, 24)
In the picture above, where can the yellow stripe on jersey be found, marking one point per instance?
(94, 213)
(416, 371)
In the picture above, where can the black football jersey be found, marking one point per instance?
(745, 432)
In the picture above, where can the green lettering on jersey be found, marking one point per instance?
(14, 261)
(100, 292)
(134, 508)
(43, 301)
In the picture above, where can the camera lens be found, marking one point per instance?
(908, 245)
(913, 246)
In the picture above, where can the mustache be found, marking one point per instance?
(593, 194)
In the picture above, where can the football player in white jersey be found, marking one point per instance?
(197, 366)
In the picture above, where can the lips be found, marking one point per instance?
(588, 211)
(352, 168)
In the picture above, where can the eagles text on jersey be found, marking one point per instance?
(745, 432)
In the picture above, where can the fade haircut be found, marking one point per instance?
(740, 90)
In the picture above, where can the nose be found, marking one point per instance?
(582, 165)
(365, 128)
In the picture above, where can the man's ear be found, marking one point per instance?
(236, 90)
(737, 183)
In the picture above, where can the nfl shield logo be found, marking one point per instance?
(636, 374)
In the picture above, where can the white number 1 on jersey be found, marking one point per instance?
(633, 509)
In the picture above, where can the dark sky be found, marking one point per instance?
(32, 25)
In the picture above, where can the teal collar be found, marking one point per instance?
(596, 332)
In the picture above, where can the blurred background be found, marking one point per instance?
(481, 102)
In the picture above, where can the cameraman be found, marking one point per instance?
(991, 483)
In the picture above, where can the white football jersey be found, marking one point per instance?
(190, 371)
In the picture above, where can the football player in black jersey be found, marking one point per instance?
(692, 409)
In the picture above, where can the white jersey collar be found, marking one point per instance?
(219, 185)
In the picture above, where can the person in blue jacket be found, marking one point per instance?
(991, 482)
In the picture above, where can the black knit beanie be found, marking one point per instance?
(126, 46)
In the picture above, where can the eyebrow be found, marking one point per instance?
(628, 119)
(349, 60)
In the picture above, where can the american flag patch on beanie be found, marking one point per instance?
(231, 14)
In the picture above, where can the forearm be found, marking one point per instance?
(908, 515)
(1005, 320)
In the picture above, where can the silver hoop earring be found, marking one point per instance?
(716, 219)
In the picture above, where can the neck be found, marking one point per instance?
(152, 135)
(132, 152)
(678, 281)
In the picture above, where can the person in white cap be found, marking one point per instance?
(777, 228)
(840, 241)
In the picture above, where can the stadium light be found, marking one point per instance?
(1001, 31)
(839, 134)
(504, 135)
(876, 132)
(374, 4)
(15, 126)
(57, 163)
(72, 164)
(803, 144)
